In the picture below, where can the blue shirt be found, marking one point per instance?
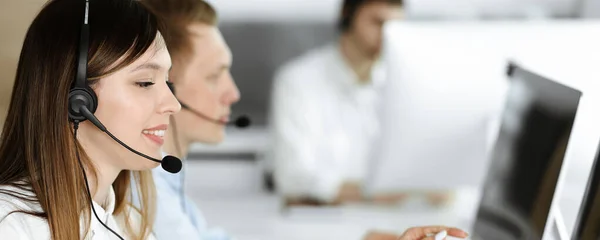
(177, 216)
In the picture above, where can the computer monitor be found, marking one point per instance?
(518, 192)
(587, 223)
(444, 89)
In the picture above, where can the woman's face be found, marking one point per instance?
(134, 104)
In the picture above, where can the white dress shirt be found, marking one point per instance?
(324, 122)
(20, 226)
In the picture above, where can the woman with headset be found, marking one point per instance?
(92, 76)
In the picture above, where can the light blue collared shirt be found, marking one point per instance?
(177, 216)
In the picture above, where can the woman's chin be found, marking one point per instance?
(146, 164)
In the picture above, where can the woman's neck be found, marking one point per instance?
(100, 185)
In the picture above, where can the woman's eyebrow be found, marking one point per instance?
(151, 66)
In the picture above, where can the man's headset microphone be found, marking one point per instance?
(240, 122)
(83, 103)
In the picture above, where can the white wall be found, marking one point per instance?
(590, 8)
(15, 17)
(474, 8)
(328, 10)
(277, 10)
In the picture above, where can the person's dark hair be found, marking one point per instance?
(350, 7)
(37, 149)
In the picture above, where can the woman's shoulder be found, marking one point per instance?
(18, 196)
(19, 225)
(15, 221)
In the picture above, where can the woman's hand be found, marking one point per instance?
(428, 233)
(418, 233)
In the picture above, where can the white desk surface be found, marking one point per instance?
(230, 195)
(258, 216)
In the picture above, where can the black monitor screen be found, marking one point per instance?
(527, 157)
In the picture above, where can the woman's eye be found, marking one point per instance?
(144, 84)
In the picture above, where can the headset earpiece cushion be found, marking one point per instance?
(81, 97)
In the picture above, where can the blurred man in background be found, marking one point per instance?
(324, 113)
(200, 74)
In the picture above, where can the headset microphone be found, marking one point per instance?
(240, 122)
(168, 163)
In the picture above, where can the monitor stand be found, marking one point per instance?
(557, 230)
(494, 223)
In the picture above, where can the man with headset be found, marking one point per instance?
(203, 85)
(324, 113)
(324, 110)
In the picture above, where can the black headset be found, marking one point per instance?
(349, 9)
(82, 98)
(81, 94)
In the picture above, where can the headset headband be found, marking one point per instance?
(84, 41)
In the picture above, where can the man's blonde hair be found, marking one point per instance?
(177, 16)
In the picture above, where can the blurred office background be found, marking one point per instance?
(227, 181)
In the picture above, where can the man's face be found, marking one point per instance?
(205, 85)
(366, 29)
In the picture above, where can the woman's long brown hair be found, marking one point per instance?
(37, 149)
